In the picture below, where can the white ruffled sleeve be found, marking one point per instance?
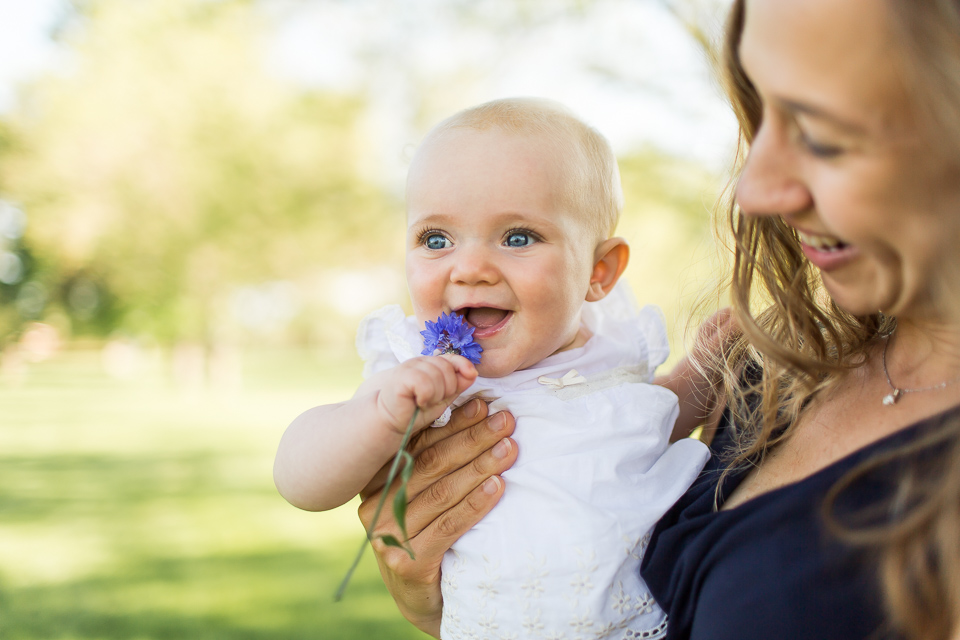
(653, 326)
(638, 337)
(385, 338)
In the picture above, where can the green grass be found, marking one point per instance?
(135, 509)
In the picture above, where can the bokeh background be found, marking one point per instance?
(199, 199)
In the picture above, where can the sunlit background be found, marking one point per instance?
(199, 199)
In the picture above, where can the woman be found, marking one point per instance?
(832, 506)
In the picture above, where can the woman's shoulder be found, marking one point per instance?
(782, 539)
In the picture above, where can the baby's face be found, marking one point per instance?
(488, 238)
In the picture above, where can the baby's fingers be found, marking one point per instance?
(449, 381)
(466, 373)
(427, 383)
(458, 374)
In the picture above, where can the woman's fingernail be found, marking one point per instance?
(472, 409)
(497, 422)
(491, 485)
(501, 449)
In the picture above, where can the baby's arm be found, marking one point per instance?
(329, 453)
(698, 398)
(697, 388)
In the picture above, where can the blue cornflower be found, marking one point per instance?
(450, 334)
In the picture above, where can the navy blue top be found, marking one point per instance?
(769, 568)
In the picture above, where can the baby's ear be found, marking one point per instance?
(610, 260)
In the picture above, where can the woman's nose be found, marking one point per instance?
(474, 264)
(770, 183)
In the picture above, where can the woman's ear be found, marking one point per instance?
(610, 260)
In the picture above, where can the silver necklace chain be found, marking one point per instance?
(895, 392)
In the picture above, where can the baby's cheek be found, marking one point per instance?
(424, 306)
(424, 291)
(565, 306)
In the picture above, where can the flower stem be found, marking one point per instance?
(391, 476)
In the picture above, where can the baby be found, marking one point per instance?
(511, 207)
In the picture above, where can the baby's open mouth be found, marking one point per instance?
(484, 319)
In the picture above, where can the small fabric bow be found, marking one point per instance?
(570, 378)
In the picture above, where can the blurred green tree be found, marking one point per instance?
(166, 166)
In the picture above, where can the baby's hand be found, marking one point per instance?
(431, 383)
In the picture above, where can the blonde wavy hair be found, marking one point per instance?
(797, 342)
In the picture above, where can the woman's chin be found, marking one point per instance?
(862, 306)
(860, 300)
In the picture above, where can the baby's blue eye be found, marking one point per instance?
(436, 242)
(519, 239)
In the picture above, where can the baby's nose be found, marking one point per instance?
(475, 265)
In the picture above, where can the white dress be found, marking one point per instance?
(559, 556)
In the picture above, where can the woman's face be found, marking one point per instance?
(840, 157)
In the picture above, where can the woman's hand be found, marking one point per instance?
(455, 483)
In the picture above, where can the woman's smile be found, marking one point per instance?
(826, 252)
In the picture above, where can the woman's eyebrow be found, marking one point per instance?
(813, 111)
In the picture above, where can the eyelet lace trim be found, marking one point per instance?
(627, 616)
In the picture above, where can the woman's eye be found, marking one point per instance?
(820, 150)
(435, 241)
(519, 239)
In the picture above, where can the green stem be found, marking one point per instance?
(391, 476)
